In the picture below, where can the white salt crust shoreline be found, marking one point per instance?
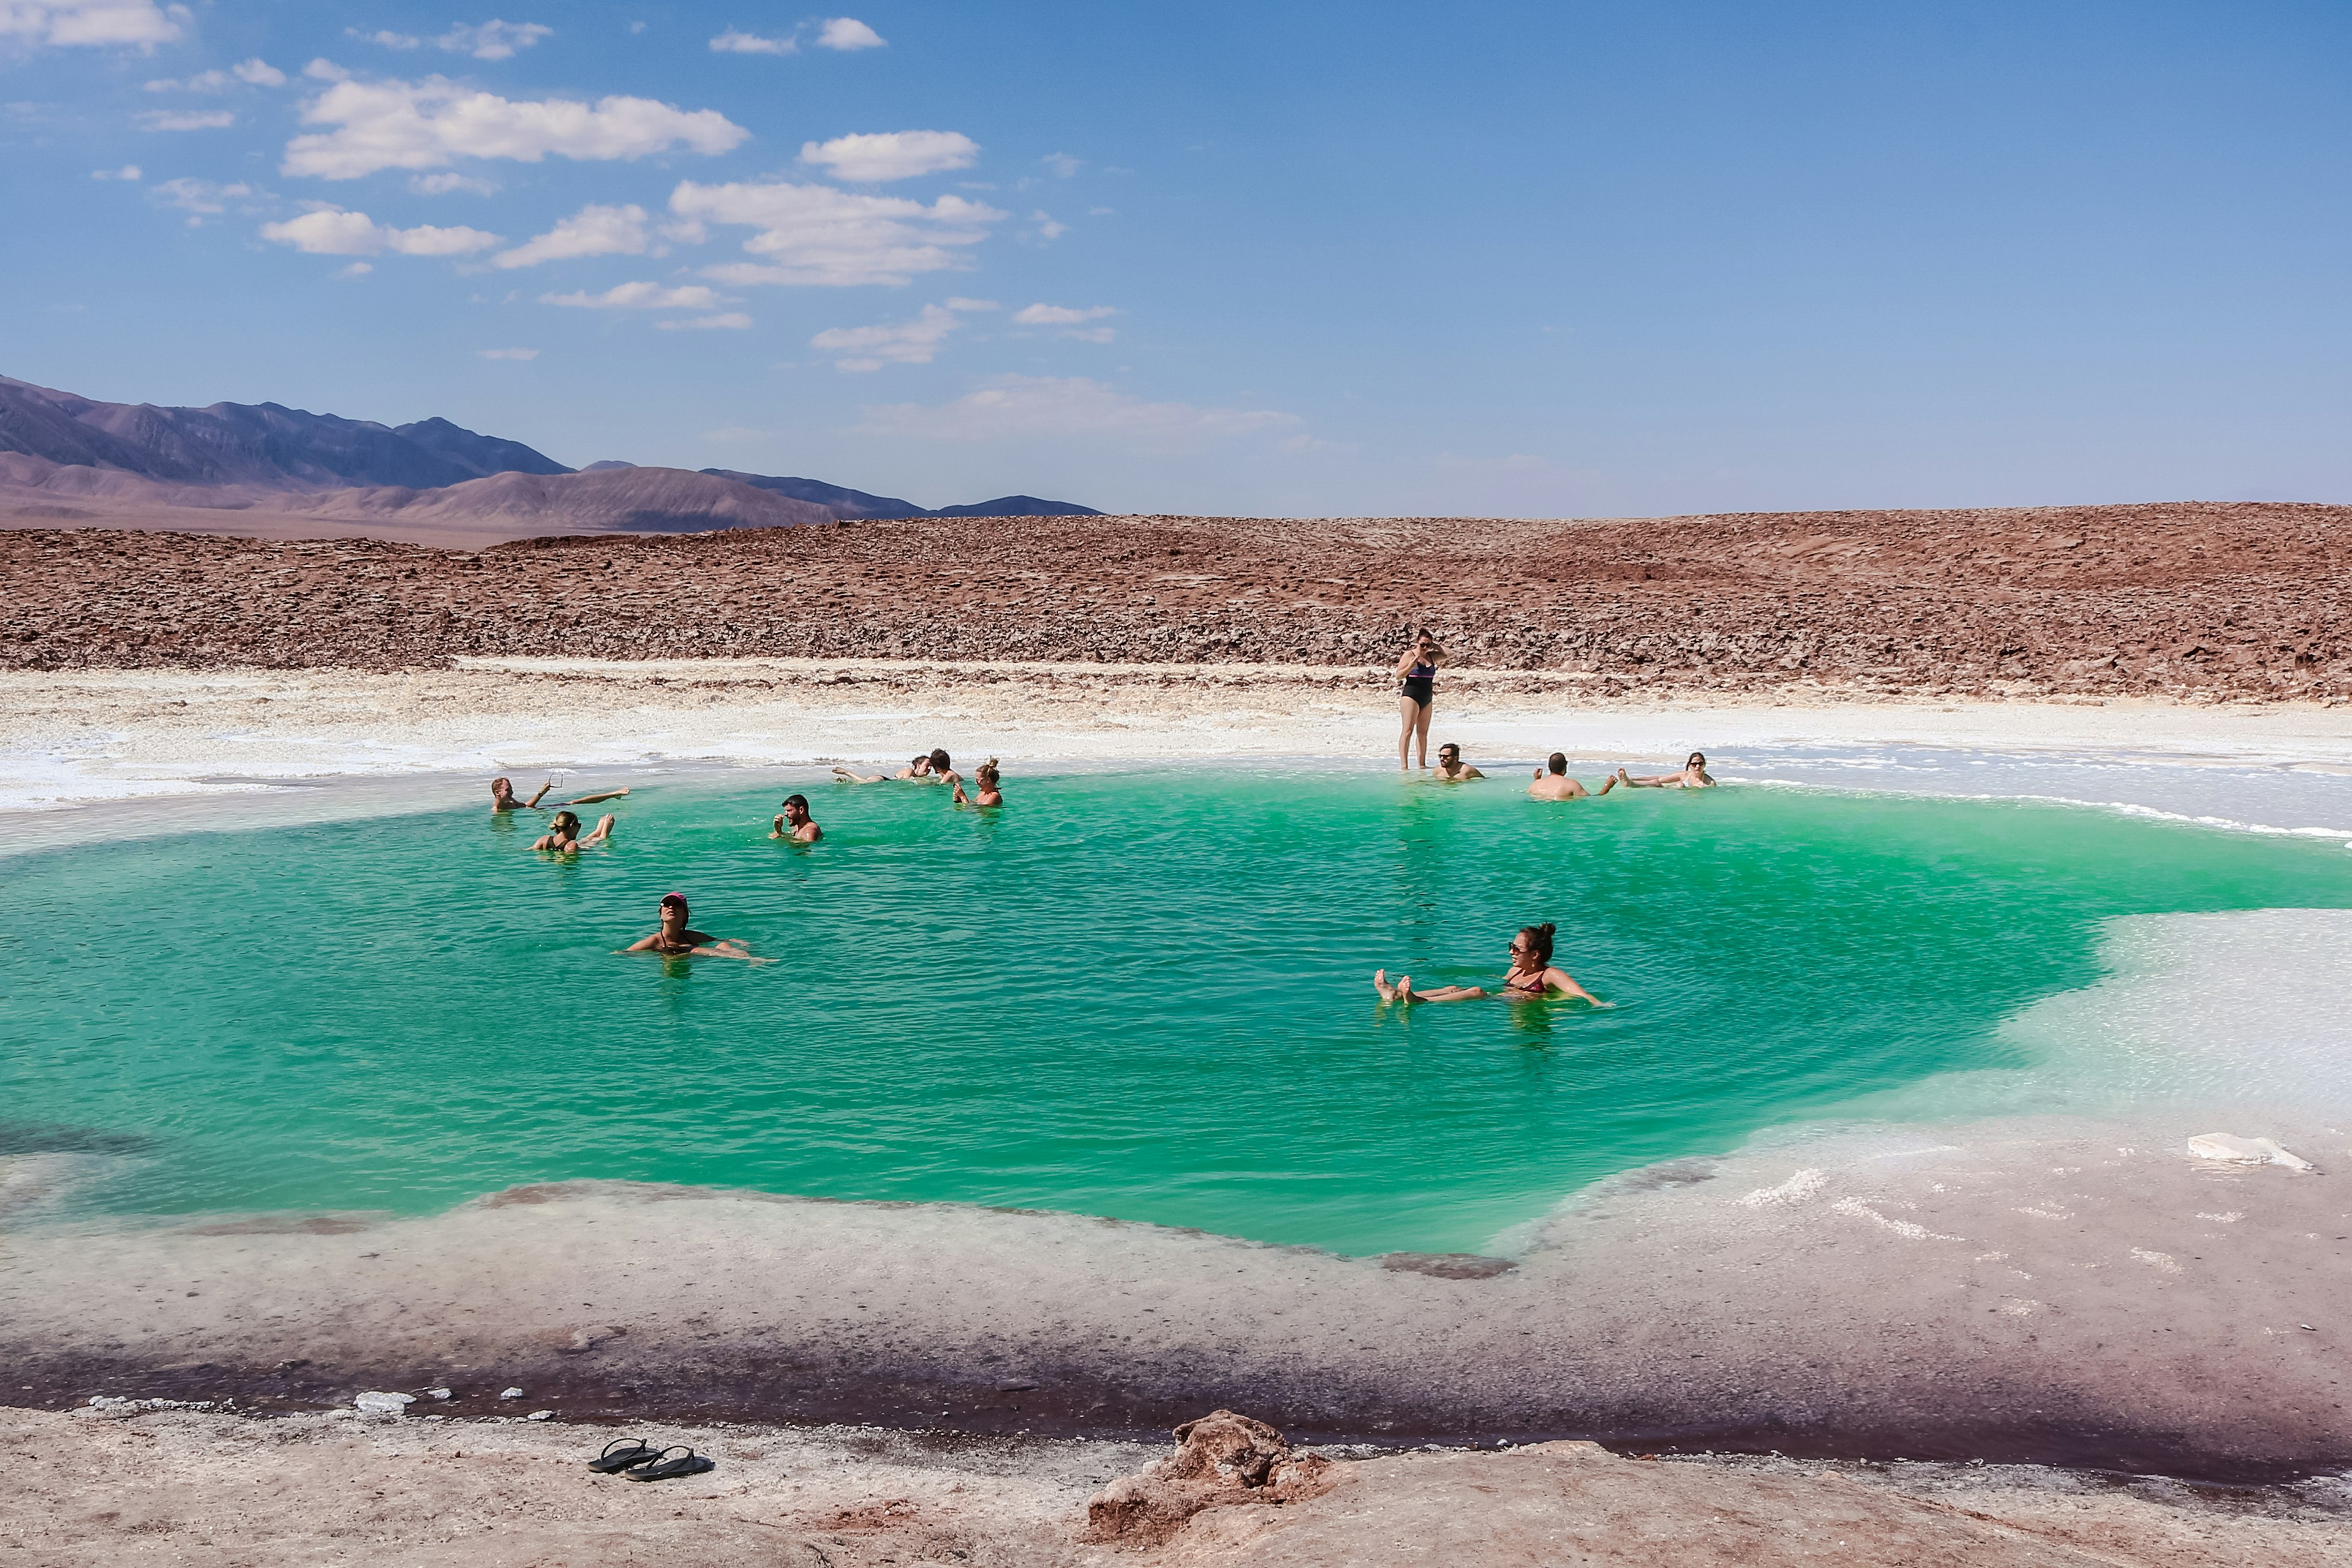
(84, 736)
(1917, 1271)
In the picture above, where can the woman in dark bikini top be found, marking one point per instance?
(1416, 684)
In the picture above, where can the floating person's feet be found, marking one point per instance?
(1405, 988)
(1380, 984)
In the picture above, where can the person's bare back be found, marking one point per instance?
(1555, 784)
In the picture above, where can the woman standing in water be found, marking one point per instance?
(1416, 673)
(1530, 977)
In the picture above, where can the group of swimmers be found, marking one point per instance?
(794, 822)
(1416, 671)
(1552, 783)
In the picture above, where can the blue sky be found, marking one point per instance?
(1560, 259)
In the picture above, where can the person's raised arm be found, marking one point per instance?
(959, 799)
(593, 799)
(643, 944)
(534, 800)
(1406, 660)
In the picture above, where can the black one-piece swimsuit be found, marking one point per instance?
(1419, 682)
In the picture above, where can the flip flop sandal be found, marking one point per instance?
(689, 1463)
(621, 1453)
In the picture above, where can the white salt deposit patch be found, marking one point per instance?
(1795, 1189)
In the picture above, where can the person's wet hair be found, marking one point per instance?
(1538, 941)
(939, 760)
(565, 823)
(1697, 760)
(1557, 762)
(987, 773)
(793, 800)
(502, 787)
(1449, 749)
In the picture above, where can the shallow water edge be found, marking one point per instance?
(2034, 1291)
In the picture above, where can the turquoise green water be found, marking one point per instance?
(1139, 993)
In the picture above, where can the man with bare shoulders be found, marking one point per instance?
(796, 824)
(502, 796)
(1557, 785)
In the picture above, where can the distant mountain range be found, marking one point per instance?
(266, 455)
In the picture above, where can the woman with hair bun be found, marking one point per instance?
(1530, 977)
(984, 782)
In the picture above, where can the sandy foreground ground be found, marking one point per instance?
(96, 734)
(203, 1489)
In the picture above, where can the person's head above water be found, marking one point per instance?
(1532, 949)
(1697, 760)
(987, 775)
(1557, 762)
(1449, 753)
(796, 809)
(566, 826)
(673, 908)
(920, 765)
(938, 761)
(501, 789)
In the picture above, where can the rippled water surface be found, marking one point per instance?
(1136, 994)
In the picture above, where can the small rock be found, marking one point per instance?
(1221, 1458)
(540, 1416)
(511, 1393)
(384, 1406)
(436, 1394)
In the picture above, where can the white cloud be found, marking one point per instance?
(492, 40)
(356, 270)
(819, 235)
(896, 342)
(200, 198)
(736, 42)
(639, 297)
(1018, 408)
(1073, 322)
(203, 81)
(1047, 229)
(331, 231)
(891, 155)
(1102, 212)
(509, 354)
(442, 184)
(1061, 164)
(323, 69)
(178, 119)
(427, 124)
(847, 32)
(730, 320)
(128, 172)
(1060, 315)
(259, 72)
(592, 231)
(141, 24)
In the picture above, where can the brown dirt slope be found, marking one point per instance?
(2222, 600)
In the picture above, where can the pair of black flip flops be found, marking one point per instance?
(641, 1461)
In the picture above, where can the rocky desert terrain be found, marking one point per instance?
(2205, 601)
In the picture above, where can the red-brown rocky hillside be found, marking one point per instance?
(2240, 600)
